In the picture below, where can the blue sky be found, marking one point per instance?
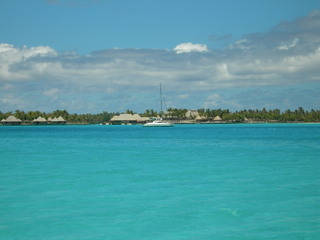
(86, 26)
(94, 55)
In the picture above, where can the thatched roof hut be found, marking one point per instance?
(114, 118)
(61, 119)
(136, 117)
(201, 119)
(192, 114)
(39, 120)
(140, 119)
(55, 120)
(11, 120)
(217, 119)
(125, 118)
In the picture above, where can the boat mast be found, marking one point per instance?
(160, 100)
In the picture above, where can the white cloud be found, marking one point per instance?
(51, 92)
(12, 53)
(12, 101)
(102, 78)
(38, 51)
(287, 46)
(240, 44)
(215, 100)
(4, 100)
(302, 63)
(190, 47)
(11, 56)
(222, 71)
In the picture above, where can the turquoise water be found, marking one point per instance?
(246, 181)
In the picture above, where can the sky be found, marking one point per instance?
(89, 56)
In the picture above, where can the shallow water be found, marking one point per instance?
(246, 181)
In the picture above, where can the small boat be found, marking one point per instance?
(158, 122)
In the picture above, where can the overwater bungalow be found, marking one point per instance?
(128, 119)
(39, 121)
(11, 120)
(56, 121)
(217, 119)
(200, 119)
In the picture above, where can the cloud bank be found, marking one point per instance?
(190, 47)
(276, 69)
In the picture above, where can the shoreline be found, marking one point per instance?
(173, 122)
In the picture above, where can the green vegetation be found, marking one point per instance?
(70, 118)
(275, 115)
(264, 115)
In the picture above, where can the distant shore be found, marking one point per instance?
(174, 115)
(185, 122)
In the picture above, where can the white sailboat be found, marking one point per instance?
(159, 122)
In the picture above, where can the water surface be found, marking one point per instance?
(226, 182)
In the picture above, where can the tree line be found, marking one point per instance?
(254, 115)
(264, 115)
(70, 118)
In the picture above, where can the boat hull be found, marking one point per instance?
(163, 124)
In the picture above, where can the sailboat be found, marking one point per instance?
(159, 122)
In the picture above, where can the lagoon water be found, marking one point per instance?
(190, 182)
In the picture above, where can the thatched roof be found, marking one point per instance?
(61, 119)
(217, 118)
(136, 117)
(114, 118)
(125, 117)
(192, 114)
(144, 119)
(198, 118)
(11, 119)
(39, 119)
